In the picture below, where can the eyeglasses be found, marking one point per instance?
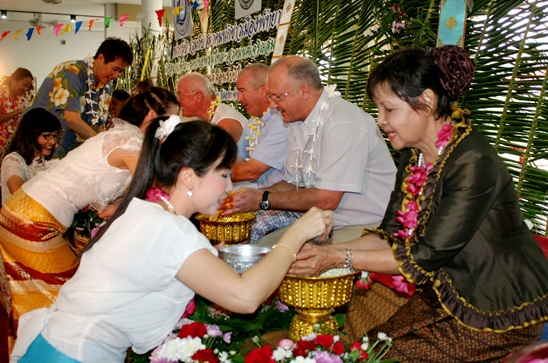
(276, 99)
(49, 136)
(181, 95)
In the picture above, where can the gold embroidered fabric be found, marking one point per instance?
(36, 258)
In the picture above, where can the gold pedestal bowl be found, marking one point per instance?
(232, 229)
(314, 299)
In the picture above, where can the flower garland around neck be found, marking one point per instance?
(255, 132)
(413, 185)
(102, 108)
(309, 170)
(157, 194)
(213, 107)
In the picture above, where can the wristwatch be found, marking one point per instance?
(265, 204)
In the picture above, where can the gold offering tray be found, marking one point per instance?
(232, 229)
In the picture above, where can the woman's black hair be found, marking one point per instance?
(194, 144)
(33, 123)
(19, 73)
(147, 99)
(408, 73)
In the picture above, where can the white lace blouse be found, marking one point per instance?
(85, 177)
(15, 165)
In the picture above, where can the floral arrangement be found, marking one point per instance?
(323, 348)
(208, 333)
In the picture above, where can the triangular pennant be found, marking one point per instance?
(160, 15)
(29, 33)
(57, 28)
(67, 29)
(78, 25)
(90, 25)
(123, 19)
(107, 21)
(38, 30)
(16, 35)
(4, 34)
(49, 31)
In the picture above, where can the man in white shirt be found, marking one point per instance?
(336, 158)
(262, 146)
(197, 98)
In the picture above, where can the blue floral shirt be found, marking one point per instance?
(65, 89)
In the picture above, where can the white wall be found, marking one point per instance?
(42, 53)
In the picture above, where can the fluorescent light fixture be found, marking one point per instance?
(73, 18)
(3, 14)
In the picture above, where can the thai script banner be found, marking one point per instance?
(232, 33)
(232, 55)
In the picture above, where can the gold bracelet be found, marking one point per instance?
(288, 248)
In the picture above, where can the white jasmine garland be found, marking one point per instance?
(309, 172)
(166, 127)
(102, 108)
(253, 138)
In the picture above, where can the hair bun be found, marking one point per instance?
(457, 69)
(143, 86)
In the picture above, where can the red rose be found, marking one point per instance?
(205, 355)
(356, 346)
(324, 340)
(364, 355)
(338, 348)
(193, 330)
(260, 355)
(303, 347)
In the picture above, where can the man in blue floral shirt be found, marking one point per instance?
(77, 92)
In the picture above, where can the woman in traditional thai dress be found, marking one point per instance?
(13, 101)
(37, 259)
(453, 226)
(138, 274)
(32, 145)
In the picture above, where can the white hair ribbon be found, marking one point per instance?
(166, 127)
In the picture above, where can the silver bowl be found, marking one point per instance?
(242, 257)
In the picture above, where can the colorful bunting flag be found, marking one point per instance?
(4, 34)
(78, 25)
(38, 30)
(67, 29)
(49, 31)
(90, 25)
(107, 21)
(57, 28)
(160, 15)
(29, 33)
(16, 35)
(123, 19)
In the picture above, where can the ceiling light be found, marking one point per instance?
(3, 14)
(73, 18)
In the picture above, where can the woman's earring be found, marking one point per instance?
(189, 193)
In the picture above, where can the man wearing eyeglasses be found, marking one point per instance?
(262, 146)
(197, 98)
(336, 159)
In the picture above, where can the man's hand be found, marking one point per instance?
(244, 200)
